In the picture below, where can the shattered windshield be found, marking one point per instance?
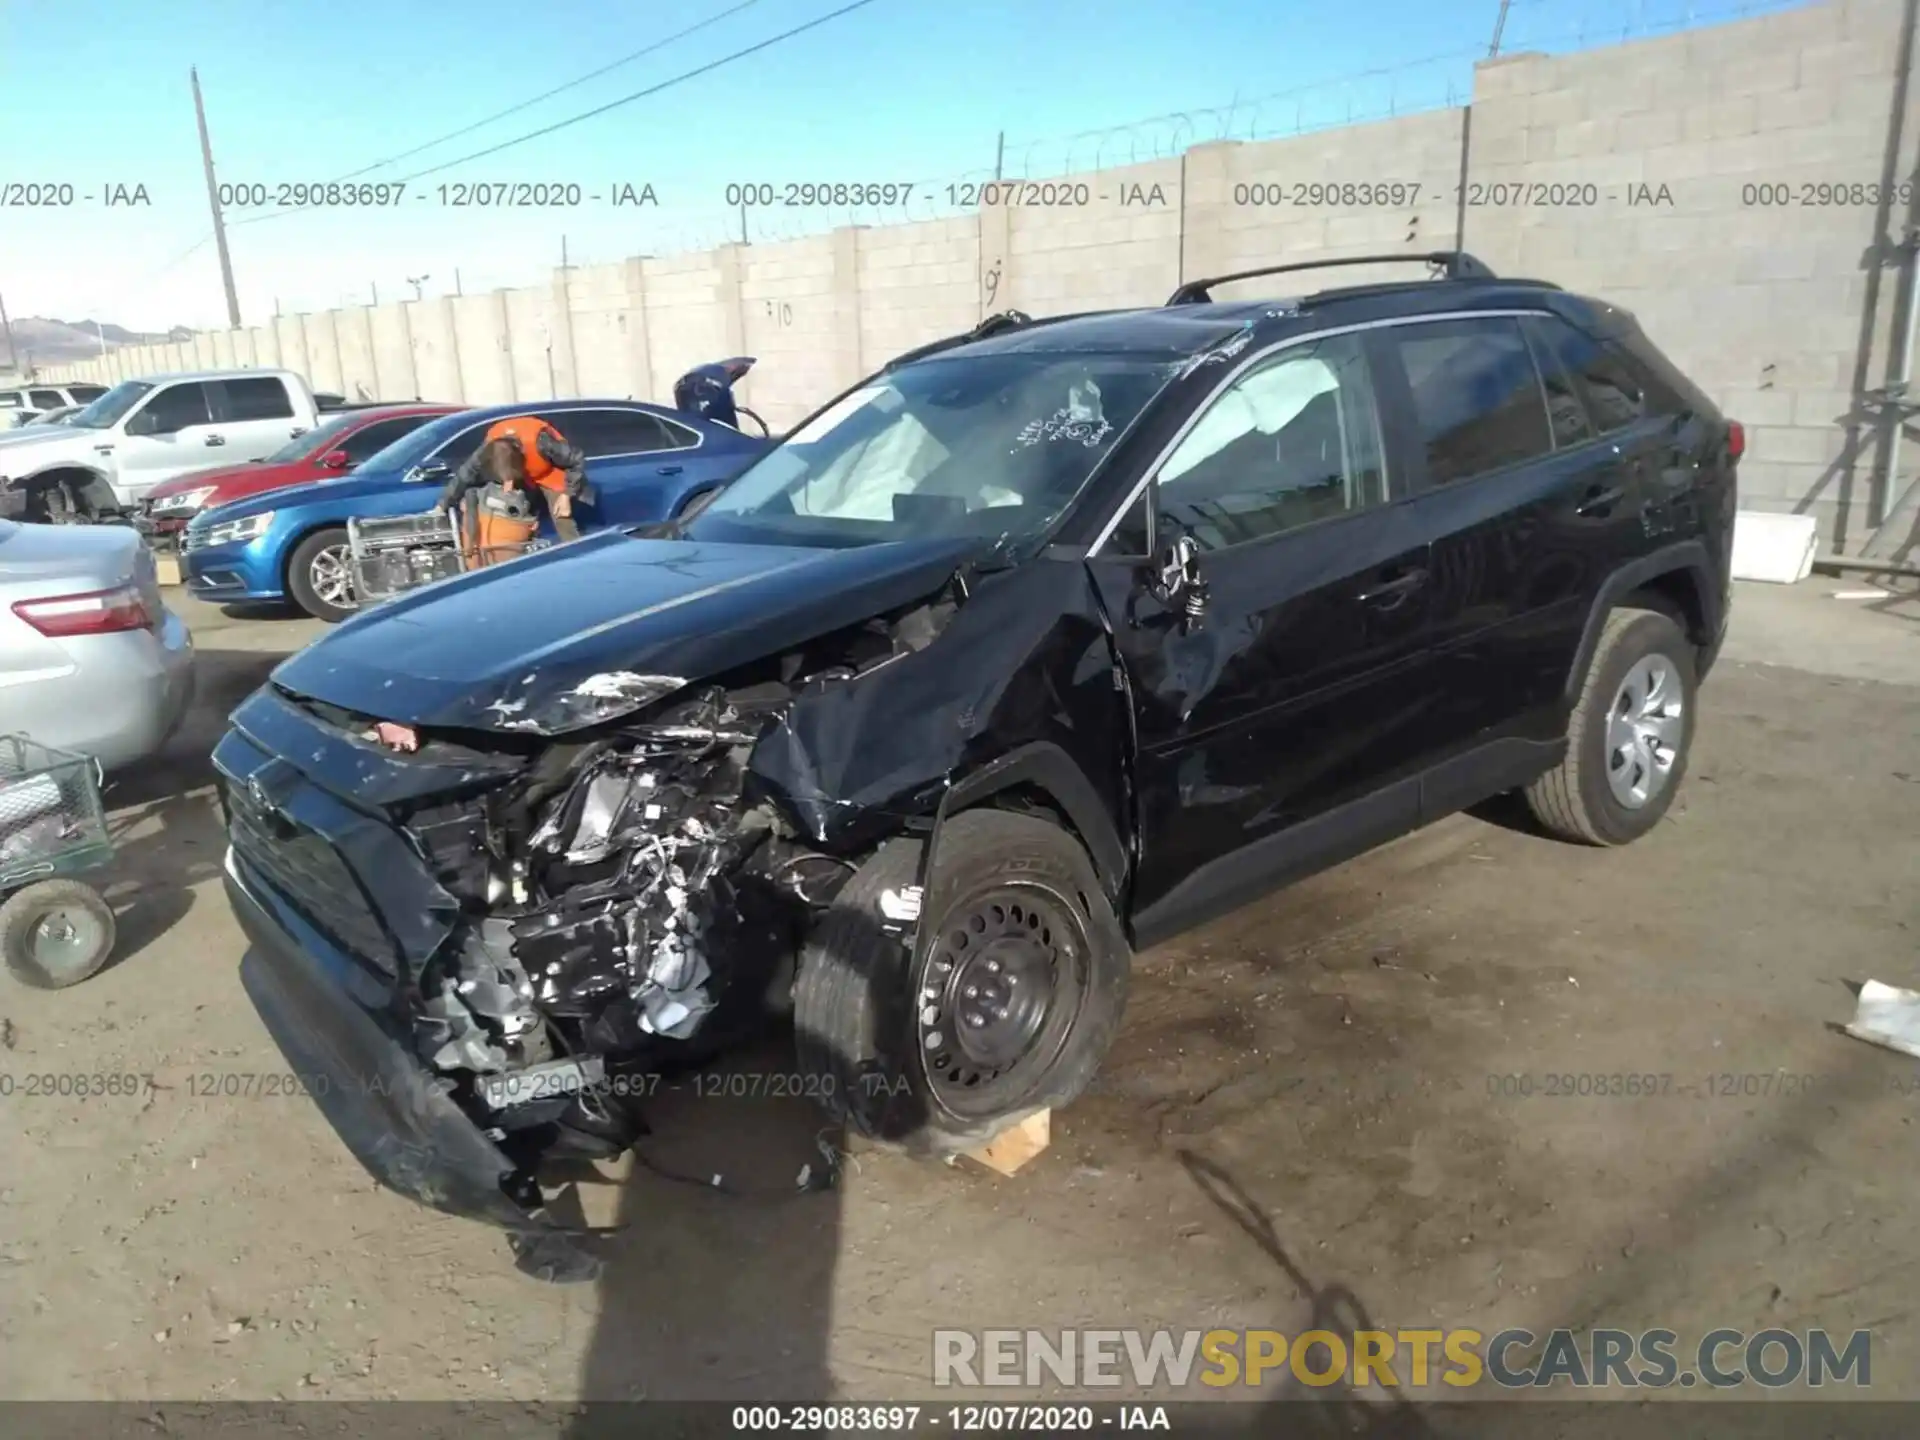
(992, 445)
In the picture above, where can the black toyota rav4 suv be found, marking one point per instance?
(1042, 644)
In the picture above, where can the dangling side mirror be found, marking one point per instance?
(1176, 579)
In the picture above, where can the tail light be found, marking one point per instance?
(97, 612)
(1736, 440)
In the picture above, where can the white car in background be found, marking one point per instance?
(20, 404)
(142, 432)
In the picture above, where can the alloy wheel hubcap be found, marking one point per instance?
(330, 578)
(1645, 729)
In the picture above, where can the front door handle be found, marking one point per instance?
(1390, 593)
(1598, 502)
(670, 469)
(216, 439)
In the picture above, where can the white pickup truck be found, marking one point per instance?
(141, 432)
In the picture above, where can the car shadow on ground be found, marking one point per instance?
(162, 813)
(719, 1281)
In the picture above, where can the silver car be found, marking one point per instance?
(91, 659)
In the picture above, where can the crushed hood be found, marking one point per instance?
(586, 632)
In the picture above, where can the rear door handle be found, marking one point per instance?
(216, 439)
(670, 469)
(1389, 593)
(1599, 501)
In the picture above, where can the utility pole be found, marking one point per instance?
(213, 200)
(1499, 25)
(416, 281)
(1000, 155)
(6, 328)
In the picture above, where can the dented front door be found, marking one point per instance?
(1272, 724)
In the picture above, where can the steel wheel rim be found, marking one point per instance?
(66, 940)
(328, 574)
(1002, 987)
(1646, 726)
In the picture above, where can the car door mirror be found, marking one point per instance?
(1174, 574)
(430, 472)
(335, 460)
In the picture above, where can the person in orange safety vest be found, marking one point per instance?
(521, 455)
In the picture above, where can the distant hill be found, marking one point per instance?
(44, 342)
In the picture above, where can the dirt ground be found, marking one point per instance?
(1301, 1122)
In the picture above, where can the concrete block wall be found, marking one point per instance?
(1671, 176)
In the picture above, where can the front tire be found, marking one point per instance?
(1006, 1006)
(1628, 737)
(320, 576)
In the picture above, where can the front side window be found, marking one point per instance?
(1476, 396)
(456, 451)
(1293, 441)
(175, 408)
(370, 440)
(994, 445)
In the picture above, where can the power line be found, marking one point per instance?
(666, 84)
(560, 89)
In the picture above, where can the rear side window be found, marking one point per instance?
(1476, 396)
(1619, 386)
(601, 433)
(46, 399)
(12, 400)
(260, 398)
(1566, 410)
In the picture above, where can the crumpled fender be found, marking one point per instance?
(1019, 689)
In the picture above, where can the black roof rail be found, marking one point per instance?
(1453, 265)
(992, 325)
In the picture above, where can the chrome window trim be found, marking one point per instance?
(670, 426)
(579, 409)
(1256, 357)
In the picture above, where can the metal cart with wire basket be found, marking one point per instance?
(393, 554)
(55, 929)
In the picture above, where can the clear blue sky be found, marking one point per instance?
(297, 91)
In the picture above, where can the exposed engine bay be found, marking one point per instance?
(632, 901)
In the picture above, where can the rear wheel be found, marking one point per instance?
(56, 933)
(1628, 737)
(1008, 1008)
(320, 576)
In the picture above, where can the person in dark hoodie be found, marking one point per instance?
(518, 457)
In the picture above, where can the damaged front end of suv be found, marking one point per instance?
(507, 843)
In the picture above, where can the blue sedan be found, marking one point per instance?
(645, 463)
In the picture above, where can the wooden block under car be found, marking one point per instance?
(166, 566)
(1012, 1149)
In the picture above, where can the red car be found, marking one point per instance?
(342, 440)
